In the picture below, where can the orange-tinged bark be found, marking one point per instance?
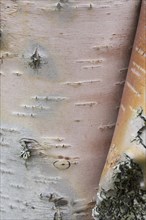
(129, 139)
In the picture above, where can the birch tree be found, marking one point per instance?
(122, 188)
(63, 67)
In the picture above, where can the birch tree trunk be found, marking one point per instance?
(63, 67)
(122, 188)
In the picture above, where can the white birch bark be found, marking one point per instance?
(63, 68)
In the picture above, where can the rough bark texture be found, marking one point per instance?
(63, 67)
(123, 180)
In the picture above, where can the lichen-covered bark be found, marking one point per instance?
(123, 181)
(125, 199)
(63, 67)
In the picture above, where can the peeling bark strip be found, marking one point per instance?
(62, 71)
(122, 191)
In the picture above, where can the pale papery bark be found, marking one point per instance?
(63, 68)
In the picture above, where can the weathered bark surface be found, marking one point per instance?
(63, 68)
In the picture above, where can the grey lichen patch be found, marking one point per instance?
(125, 200)
(139, 139)
(35, 62)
